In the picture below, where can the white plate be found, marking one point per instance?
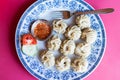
(41, 10)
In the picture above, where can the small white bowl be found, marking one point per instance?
(34, 25)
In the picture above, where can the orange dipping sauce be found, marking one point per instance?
(42, 30)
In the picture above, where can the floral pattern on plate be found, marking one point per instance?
(34, 12)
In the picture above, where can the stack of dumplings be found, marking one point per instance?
(68, 46)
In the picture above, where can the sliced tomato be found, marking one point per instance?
(28, 39)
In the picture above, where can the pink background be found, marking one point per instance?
(12, 69)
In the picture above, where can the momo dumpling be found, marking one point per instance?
(89, 35)
(83, 21)
(59, 26)
(47, 58)
(79, 64)
(63, 63)
(83, 49)
(73, 32)
(67, 47)
(54, 43)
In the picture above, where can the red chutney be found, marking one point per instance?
(42, 30)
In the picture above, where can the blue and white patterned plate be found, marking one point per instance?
(39, 10)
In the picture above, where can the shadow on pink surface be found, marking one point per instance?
(13, 25)
(18, 11)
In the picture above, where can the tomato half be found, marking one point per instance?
(28, 39)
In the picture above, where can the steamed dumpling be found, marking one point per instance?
(82, 49)
(59, 26)
(47, 58)
(89, 35)
(79, 64)
(54, 43)
(67, 47)
(73, 32)
(83, 21)
(63, 63)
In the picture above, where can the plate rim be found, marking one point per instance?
(36, 75)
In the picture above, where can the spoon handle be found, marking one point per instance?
(99, 11)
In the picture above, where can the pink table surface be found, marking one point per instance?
(12, 69)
